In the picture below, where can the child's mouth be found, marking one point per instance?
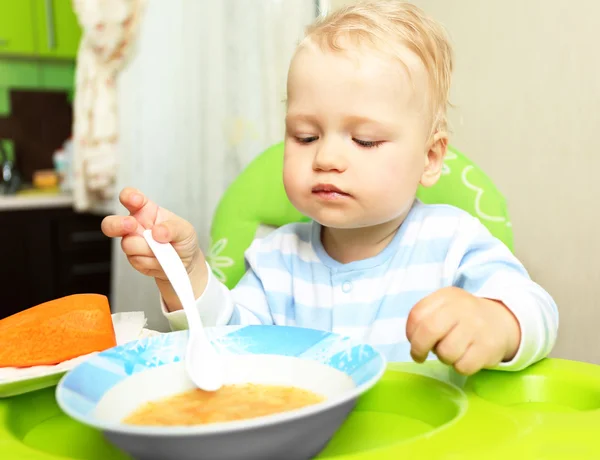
(329, 192)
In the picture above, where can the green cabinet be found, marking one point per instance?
(57, 29)
(39, 28)
(17, 36)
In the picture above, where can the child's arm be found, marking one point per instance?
(492, 315)
(489, 270)
(218, 306)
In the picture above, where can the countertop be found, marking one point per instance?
(34, 201)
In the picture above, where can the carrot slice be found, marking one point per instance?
(56, 331)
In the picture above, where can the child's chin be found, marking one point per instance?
(346, 221)
(337, 220)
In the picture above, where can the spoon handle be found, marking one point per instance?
(178, 277)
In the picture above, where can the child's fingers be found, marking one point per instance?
(472, 361)
(422, 310)
(132, 199)
(431, 330)
(136, 245)
(454, 345)
(146, 265)
(116, 226)
(176, 230)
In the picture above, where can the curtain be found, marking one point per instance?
(109, 30)
(201, 96)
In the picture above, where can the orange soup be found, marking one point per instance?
(229, 403)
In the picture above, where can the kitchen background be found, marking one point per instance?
(201, 95)
(47, 249)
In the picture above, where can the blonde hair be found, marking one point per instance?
(386, 24)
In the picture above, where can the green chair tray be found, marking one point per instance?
(548, 411)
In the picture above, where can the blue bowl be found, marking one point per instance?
(108, 386)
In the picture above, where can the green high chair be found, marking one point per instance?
(257, 198)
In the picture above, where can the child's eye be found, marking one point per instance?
(367, 144)
(306, 140)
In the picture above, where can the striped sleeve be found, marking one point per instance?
(488, 269)
(244, 304)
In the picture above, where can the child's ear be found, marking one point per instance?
(434, 159)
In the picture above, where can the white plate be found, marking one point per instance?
(14, 381)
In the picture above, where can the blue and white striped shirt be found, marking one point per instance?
(291, 280)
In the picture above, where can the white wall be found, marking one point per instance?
(527, 97)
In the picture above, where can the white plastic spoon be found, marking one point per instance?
(202, 361)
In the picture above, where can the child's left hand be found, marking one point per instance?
(467, 332)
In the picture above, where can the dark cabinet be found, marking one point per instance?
(50, 253)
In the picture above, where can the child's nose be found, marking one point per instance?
(329, 157)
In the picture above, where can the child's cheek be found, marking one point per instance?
(291, 182)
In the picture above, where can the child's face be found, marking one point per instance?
(357, 136)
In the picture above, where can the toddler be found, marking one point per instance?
(365, 125)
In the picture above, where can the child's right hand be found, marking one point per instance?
(166, 228)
